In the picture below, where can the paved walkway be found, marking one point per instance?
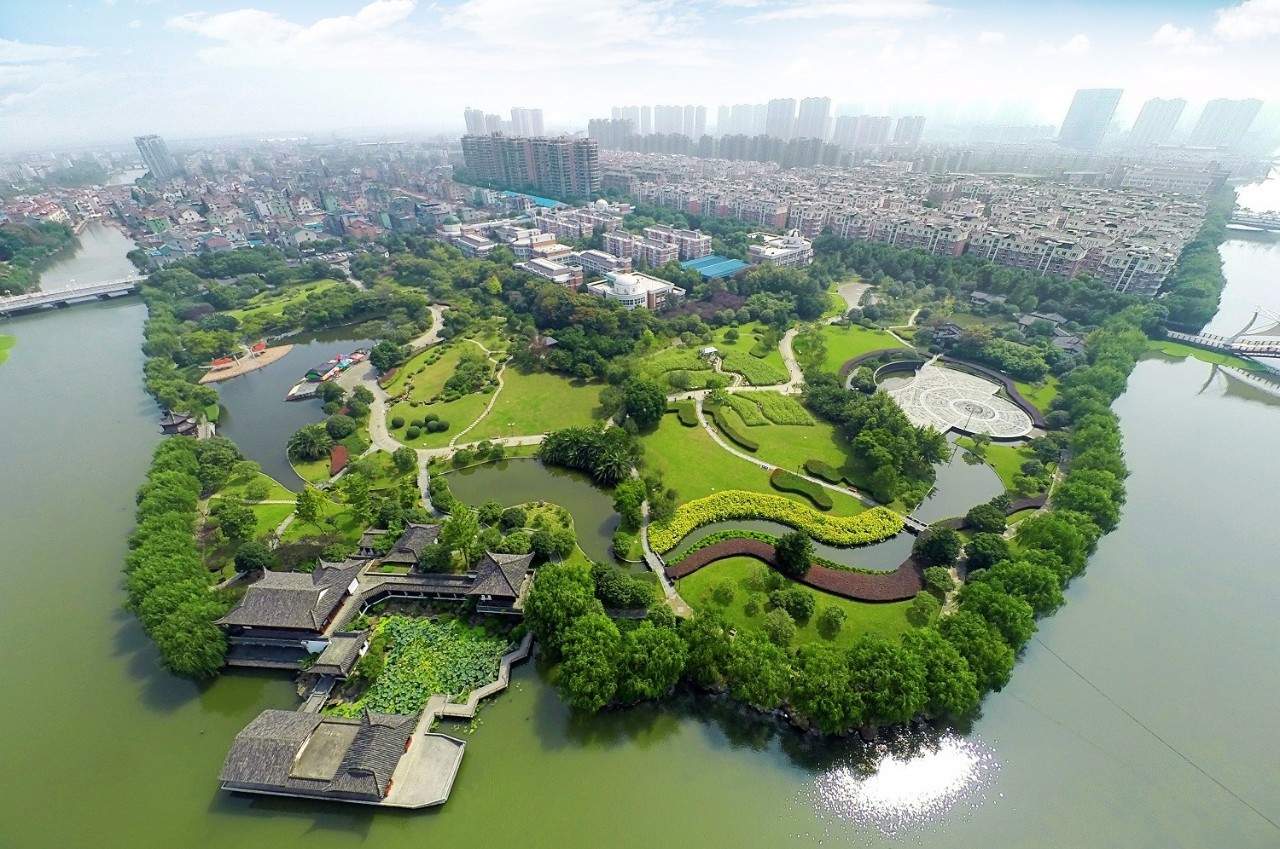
(502, 367)
(852, 293)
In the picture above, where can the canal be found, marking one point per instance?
(100, 257)
(1170, 633)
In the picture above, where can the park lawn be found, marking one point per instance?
(537, 402)
(269, 517)
(492, 335)
(346, 525)
(273, 303)
(275, 490)
(1177, 349)
(386, 474)
(845, 343)
(694, 465)
(675, 358)
(1039, 394)
(748, 336)
(1015, 518)
(430, 382)
(888, 620)
(418, 361)
(6, 342)
(312, 471)
(1006, 460)
(458, 414)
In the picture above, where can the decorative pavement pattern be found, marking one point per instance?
(944, 398)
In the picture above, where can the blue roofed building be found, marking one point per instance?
(714, 266)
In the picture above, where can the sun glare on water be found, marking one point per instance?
(896, 791)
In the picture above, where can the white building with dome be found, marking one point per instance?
(790, 251)
(637, 290)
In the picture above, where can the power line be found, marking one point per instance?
(1166, 743)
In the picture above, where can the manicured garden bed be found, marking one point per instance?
(725, 420)
(785, 481)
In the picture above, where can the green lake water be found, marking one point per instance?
(1174, 623)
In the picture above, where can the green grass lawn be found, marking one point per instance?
(748, 336)
(237, 487)
(273, 303)
(269, 517)
(1177, 349)
(1015, 518)
(418, 361)
(889, 620)
(311, 471)
(6, 342)
(427, 381)
(537, 402)
(1039, 394)
(845, 343)
(692, 463)
(345, 525)
(458, 414)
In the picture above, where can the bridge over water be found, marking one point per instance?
(1257, 220)
(1259, 339)
(103, 290)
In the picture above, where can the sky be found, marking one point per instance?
(102, 71)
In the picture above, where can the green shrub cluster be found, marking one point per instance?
(779, 409)
(876, 524)
(826, 471)
(728, 428)
(784, 481)
(757, 372)
(686, 411)
(749, 411)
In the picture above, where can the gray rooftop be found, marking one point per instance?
(415, 539)
(501, 575)
(294, 600)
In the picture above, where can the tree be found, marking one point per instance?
(512, 518)
(758, 671)
(461, 533)
(796, 601)
(830, 621)
(1011, 616)
(1037, 585)
(236, 521)
(986, 549)
(589, 673)
(706, 637)
(559, 595)
(722, 592)
(340, 426)
(951, 688)
(794, 551)
(217, 458)
(937, 547)
(307, 508)
(779, 626)
(435, 558)
(628, 497)
(356, 492)
(822, 689)
(405, 460)
(311, 442)
(386, 355)
(253, 557)
(488, 512)
(980, 644)
(644, 401)
(986, 518)
(1052, 532)
(924, 609)
(888, 679)
(650, 662)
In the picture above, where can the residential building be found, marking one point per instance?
(1156, 121)
(1054, 255)
(1224, 122)
(814, 116)
(475, 122)
(476, 247)
(155, 153)
(600, 262)
(549, 269)
(637, 290)
(1195, 180)
(562, 167)
(1089, 117)
(526, 122)
(789, 251)
(909, 129)
(649, 251)
(780, 118)
(691, 244)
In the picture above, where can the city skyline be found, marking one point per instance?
(94, 71)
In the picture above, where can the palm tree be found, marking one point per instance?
(311, 442)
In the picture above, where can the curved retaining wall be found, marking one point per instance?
(899, 585)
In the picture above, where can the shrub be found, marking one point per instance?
(397, 422)
(938, 581)
(756, 372)
(779, 627)
(795, 601)
(874, 525)
(441, 425)
(431, 417)
(755, 603)
(937, 547)
(412, 434)
(830, 621)
(722, 593)
(418, 423)
(779, 409)
(826, 471)
(728, 429)
(924, 609)
(784, 481)
(686, 411)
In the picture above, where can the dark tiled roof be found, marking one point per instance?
(294, 599)
(501, 575)
(267, 752)
(412, 543)
(340, 656)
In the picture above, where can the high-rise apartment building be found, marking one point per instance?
(155, 153)
(1089, 116)
(526, 122)
(1156, 121)
(646, 120)
(780, 118)
(475, 121)
(1223, 122)
(811, 123)
(724, 120)
(668, 120)
(909, 129)
(862, 130)
(561, 167)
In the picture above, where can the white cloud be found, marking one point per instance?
(1183, 41)
(1076, 45)
(987, 37)
(825, 9)
(1251, 19)
(16, 52)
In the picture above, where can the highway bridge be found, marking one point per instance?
(65, 297)
(1260, 338)
(1257, 220)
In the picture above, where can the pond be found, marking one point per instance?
(256, 416)
(961, 483)
(517, 481)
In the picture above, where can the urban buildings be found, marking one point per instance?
(863, 130)
(780, 118)
(526, 122)
(556, 272)
(690, 244)
(651, 252)
(1089, 116)
(155, 153)
(1223, 122)
(909, 130)
(561, 167)
(814, 118)
(637, 290)
(1156, 121)
(790, 251)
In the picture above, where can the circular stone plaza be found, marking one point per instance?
(949, 399)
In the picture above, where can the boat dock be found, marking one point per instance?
(302, 391)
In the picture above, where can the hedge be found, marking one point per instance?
(686, 411)
(777, 408)
(748, 410)
(827, 472)
(876, 524)
(756, 372)
(784, 481)
(728, 429)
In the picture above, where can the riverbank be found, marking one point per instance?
(262, 359)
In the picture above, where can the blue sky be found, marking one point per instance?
(104, 70)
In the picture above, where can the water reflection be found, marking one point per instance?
(907, 782)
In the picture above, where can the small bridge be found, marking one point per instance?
(1257, 220)
(65, 297)
(1260, 338)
